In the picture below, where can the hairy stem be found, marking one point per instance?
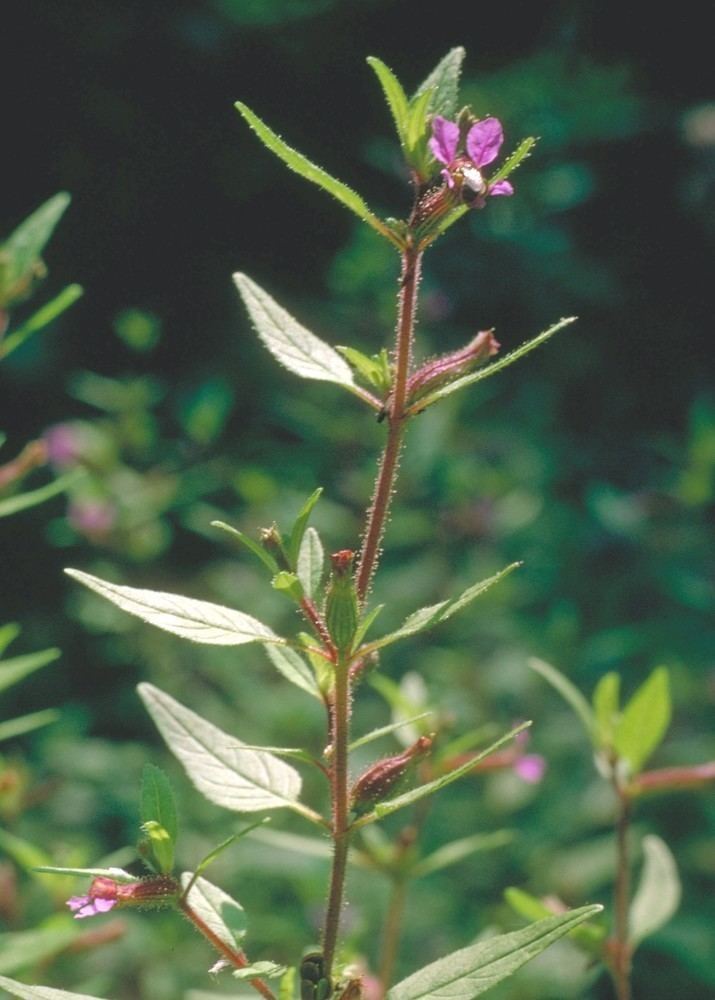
(391, 933)
(232, 955)
(385, 483)
(620, 946)
(341, 836)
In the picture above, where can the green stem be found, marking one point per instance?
(341, 835)
(391, 932)
(620, 945)
(385, 483)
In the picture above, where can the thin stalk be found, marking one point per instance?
(232, 955)
(620, 945)
(341, 835)
(391, 933)
(385, 483)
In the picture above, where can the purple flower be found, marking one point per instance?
(530, 768)
(85, 906)
(483, 142)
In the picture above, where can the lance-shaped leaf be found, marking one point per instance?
(22, 724)
(394, 95)
(116, 874)
(658, 894)
(25, 992)
(157, 800)
(301, 522)
(296, 348)
(26, 243)
(23, 501)
(458, 850)
(568, 691)
(311, 559)
(389, 806)
(16, 669)
(220, 912)
(294, 669)
(443, 82)
(218, 764)
(436, 613)
(42, 318)
(494, 367)
(311, 172)
(521, 153)
(644, 721)
(199, 621)
(468, 973)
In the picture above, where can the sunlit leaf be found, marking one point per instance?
(443, 82)
(198, 621)
(606, 707)
(116, 874)
(217, 764)
(265, 969)
(301, 522)
(311, 560)
(265, 557)
(310, 171)
(468, 973)
(436, 613)
(24, 992)
(394, 95)
(40, 319)
(514, 160)
(220, 912)
(644, 720)
(386, 730)
(658, 894)
(26, 243)
(294, 669)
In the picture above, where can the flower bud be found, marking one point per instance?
(341, 606)
(440, 371)
(272, 541)
(313, 983)
(385, 775)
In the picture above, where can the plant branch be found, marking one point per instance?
(619, 945)
(392, 931)
(384, 486)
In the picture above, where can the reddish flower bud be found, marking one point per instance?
(440, 371)
(385, 775)
(104, 894)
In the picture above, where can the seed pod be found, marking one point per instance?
(384, 776)
(313, 982)
(341, 606)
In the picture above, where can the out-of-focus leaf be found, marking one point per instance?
(568, 691)
(386, 730)
(303, 166)
(24, 949)
(265, 557)
(217, 764)
(266, 969)
(42, 318)
(644, 721)
(117, 874)
(606, 707)
(14, 670)
(12, 728)
(25, 245)
(311, 560)
(198, 621)
(8, 634)
(471, 971)
(658, 894)
(436, 613)
(22, 501)
(458, 850)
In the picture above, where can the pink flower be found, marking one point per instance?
(483, 142)
(530, 768)
(104, 894)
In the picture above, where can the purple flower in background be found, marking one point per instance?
(483, 142)
(92, 518)
(530, 768)
(64, 445)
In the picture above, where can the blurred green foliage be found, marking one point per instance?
(593, 460)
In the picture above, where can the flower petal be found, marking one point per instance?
(484, 141)
(444, 141)
(77, 902)
(531, 768)
(501, 187)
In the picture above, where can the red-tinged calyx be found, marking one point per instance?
(445, 369)
(384, 776)
(105, 894)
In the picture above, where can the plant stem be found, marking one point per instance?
(233, 955)
(391, 932)
(620, 946)
(341, 835)
(385, 483)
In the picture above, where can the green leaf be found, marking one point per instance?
(42, 318)
(658, 894)
(365, 624)
(255, 547)
(394, 95)
(389, 806)
(220, 912)
(386, 730)
(588, 935)
(23, 853)
(217, 764)
(117, 874)
(296, 348)
(288, 584)
(417, 122)
(25, 992)
(301, 523)
(468, 973)
(12, 728)
(265, 969)
(22, 501)
(568, 691)
(14, 670)
(494, 367)
(8, 634)
(286, 987)
(303, 166)
(436, 613)
(25, 245)
(158, 807)
(374, 368)
(26, 949)
(218, 850)
(443, 83)
(606, 707)
(458, 850)
(644, 721)
(294, 669)
(198, 621)
(521, 153)
(311, 560)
